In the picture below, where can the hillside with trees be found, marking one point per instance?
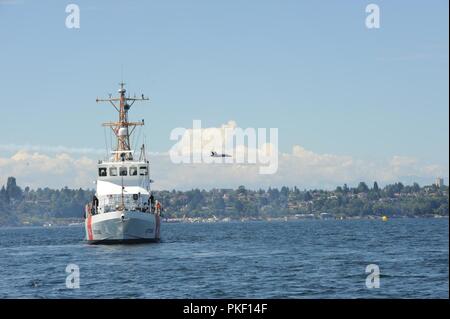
(35, 206)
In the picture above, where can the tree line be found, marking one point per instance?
(33, 206)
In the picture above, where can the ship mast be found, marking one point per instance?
(123, 129)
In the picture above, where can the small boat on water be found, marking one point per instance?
(123, 210)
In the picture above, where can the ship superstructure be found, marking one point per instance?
(123, 210)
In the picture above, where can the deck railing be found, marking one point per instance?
(110, 203)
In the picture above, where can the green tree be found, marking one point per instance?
(345, 189)
(284, 191)
(308, 196)
(4, 197)
(12, 189)
(362, 188)
(241, 190)
(219, 203)
(375, 187)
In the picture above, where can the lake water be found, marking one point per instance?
(295, 259)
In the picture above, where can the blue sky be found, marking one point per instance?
(309, 68)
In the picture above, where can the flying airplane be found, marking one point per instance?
(214, 154)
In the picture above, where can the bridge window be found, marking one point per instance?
(113, 171)
(133, 171)
(102, 171)
(123, 171)
(143, 170)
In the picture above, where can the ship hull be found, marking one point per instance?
(122, 227)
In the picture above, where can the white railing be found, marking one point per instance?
(110, 203)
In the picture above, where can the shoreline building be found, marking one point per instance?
(439, 182)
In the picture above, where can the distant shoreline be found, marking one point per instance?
(63, 223)
(66, 206)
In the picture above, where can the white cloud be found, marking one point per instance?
(301, 167)
(56, 167)
(41, 170)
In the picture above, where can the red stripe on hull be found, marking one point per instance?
(89, 227)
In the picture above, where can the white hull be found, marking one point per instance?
(122, 227)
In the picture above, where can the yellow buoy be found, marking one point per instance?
(384, 218)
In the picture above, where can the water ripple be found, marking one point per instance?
(301, 259)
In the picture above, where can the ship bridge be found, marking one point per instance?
(127, 170)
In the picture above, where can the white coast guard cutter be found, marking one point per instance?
(123, 209)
